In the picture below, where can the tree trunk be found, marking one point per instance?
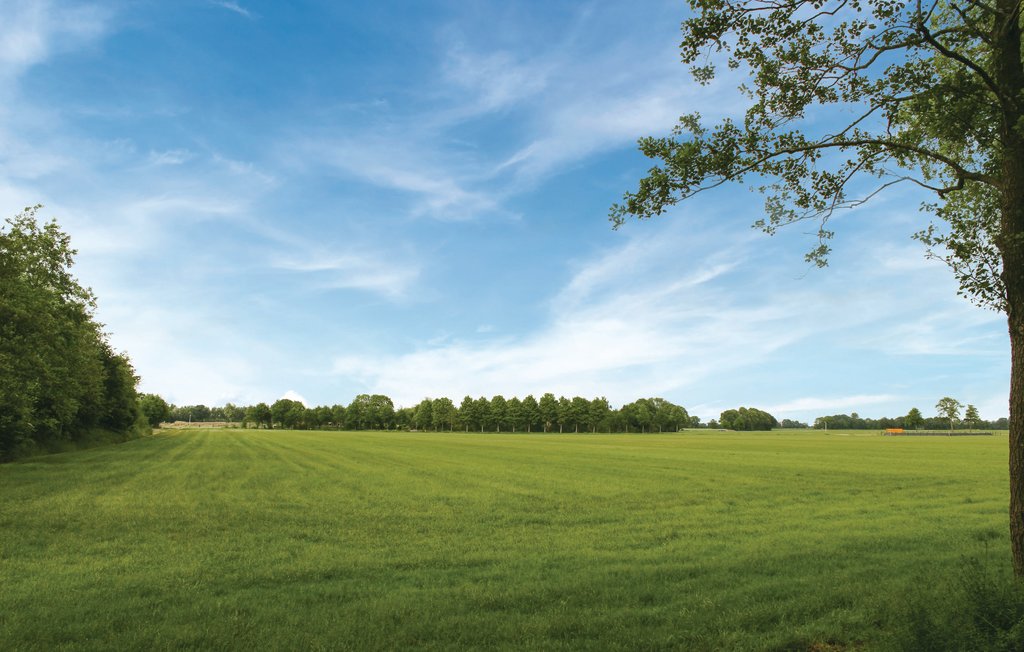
(1016, 324)
(1008, 75)
(1013, 272)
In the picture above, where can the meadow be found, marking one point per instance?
(221, 539)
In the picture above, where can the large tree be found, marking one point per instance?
(930, 94)
(59, 377)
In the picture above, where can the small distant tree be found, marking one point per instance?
(499, 413)
(548, 409)
(639, 414)
(404, 418)
(358, 414)
(949, 408)
(564, 413)
(732, 420)
(531, 412)
(913, 420)
(233, 413)
(443, 413)
(288, 413)
(598, 412)
(263, 416)
(482, 409)
(971, 416)
(515, 413)
(324, 416)
(423, 417)
(579, 412)
(338, 415)
(467, 413)
(381, 411)
(154, 408)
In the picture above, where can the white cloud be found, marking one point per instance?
(832, 405)
(292, 395)
(140, 225)
(34, 30)
(493, 81)
(183, 352)
(685, 309)
(170, 157)
(375, 272)
(607, 336)
(563, 104)
(438, 181)
(575, 125)
(234, 7)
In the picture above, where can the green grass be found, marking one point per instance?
(319, 540)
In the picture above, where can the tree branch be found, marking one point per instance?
(930, 38)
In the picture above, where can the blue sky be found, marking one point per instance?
(324, 199)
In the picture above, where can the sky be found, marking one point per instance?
(317, 199)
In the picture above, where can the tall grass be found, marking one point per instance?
(285, 540)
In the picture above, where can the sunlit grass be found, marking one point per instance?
(272, 540)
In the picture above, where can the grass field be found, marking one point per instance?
(321, 540)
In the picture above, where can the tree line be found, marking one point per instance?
(496, 414)
(61, 383)
(547, 414)
(948, 418)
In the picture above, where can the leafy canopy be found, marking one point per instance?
(910, 89)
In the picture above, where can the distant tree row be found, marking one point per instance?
(496, 414)
(60, 381)
(948, 418)
(548, 414)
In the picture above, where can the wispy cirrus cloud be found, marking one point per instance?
(234, 7)
(170, 157)
(563, 104)
(374, 272)
(830, 405)
(604, 336)
(486, 82)
(691, 312)
(439, 183)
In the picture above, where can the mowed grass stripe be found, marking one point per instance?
(224, 539)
